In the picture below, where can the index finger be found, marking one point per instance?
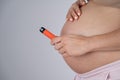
(56, 40)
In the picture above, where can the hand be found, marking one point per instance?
(75, 11)
(72, 45)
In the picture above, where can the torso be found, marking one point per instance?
(95, 19)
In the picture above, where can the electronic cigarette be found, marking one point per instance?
(47, 33)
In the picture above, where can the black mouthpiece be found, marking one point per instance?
(42, 29)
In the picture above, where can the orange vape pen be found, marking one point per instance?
(47, 33)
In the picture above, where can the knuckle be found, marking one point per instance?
(68, 15)
(61, 51)
(65, 48)
(73, 4)
(77, 9)
(56, 47)
(73, 13)
(71, 10)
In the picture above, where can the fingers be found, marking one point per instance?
(61, 50)
(65, 55)
(73, 13)
(69, 17)
(58, 45)
(75, 10)
(56, 40)
(82, 2)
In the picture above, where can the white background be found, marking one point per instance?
(25, 54)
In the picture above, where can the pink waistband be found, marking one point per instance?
(109, 67)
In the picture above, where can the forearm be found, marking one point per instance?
(108, 41)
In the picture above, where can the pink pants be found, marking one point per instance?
(107, 72)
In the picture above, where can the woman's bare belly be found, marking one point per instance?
(95, 20)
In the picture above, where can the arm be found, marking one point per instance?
(108, 41)
(77, 45)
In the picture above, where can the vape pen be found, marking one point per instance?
(47, 33)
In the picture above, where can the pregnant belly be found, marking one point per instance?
(95, 20)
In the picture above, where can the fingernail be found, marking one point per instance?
(76, 17)
(71, 19)
(78, 13)
(83, 3)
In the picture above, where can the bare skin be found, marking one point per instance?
(96, 20)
